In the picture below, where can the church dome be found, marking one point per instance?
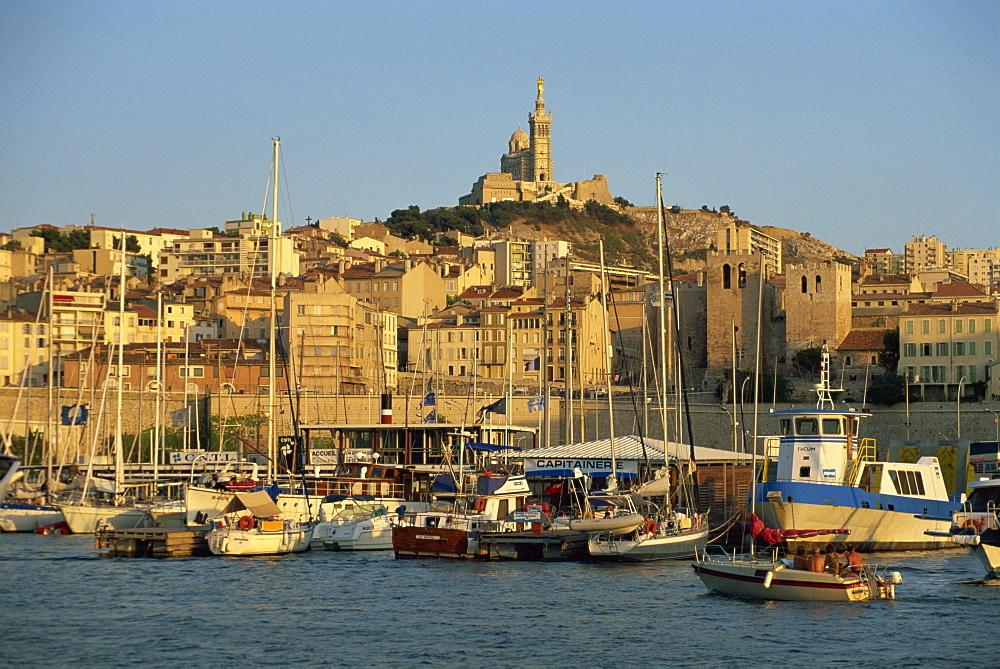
(519, 141)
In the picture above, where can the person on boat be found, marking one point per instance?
(831, 560)
(609, 512)
(801, 561)
(854, 560)
(816, 561)
(650, 526)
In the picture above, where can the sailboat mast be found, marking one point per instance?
(664, 397)
(119, 458)
(609, 364)
(272, 437)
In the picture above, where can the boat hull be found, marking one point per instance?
(889, 523)
(625, 523)
(433, 542)
(751, 579)
(988, 552)
(233, 541)
(27, 517)
(86, 519)
(646, 548)
(367, 535)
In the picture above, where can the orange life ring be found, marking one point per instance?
(246, 523)
(481, 504)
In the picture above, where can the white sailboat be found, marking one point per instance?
(95, 511)
(676, 535)
(252, 524)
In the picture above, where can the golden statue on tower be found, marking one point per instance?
(541, 86)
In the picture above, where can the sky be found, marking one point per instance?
(861, 123)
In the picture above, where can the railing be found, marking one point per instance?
(867, 452)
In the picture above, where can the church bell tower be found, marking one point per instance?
(541, 126)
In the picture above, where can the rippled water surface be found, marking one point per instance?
(63, 605)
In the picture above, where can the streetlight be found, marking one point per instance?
(958, 411)
(996, 420)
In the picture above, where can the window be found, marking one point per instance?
(987, 348)
(925, 326)
(959, 348)
(805, 285)
(972, 326)
(806, 426)
(727, 276)
(192, 372)
(958, 326)
(909, 327)
(804, 472)
(987, 325)
(925, 350)
(959, 372)
(832, 426)
(972, 348)
(942, 349)
(942, 328)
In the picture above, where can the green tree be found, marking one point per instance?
(623, 202)
(888, 357)
(887, 389)
(809, 360)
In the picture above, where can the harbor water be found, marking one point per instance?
(65, 605)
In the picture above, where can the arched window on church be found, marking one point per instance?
(743, 275)
(726, 276)
(805, 285)
(849, 360)
(819, 281)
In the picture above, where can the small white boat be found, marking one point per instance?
(251, 526)
(671, 538)
(977, 524)
(775, 579)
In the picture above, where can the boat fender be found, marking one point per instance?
(246, 523)
(224, 545)
(768, 577)
(965, 539)
(481, 504)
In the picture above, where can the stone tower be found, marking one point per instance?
(734, 291)
(541, 134)
(817, 305)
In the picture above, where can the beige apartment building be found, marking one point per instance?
(744, 240)
(24, 349)
(944, 345)
(408, 288)
(204, 254)
(925, 252)
(339, 344)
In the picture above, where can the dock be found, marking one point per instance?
(154, 542)
(534, 546)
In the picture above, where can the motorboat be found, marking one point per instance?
(776, 579)
(977, 524)
(452, 529)
(359, 522)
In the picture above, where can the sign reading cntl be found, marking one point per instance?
(190, 457)
(328, 456)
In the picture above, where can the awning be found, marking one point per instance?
(492, 448)
(258, 503)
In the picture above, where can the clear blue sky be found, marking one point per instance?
(862, 123)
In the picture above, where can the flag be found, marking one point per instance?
(536, 403)
(533, 365)
(500, 406)
(429, 400)
(74, 415)
(431, 417)
(179, 418)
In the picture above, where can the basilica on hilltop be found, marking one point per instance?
(526, 173)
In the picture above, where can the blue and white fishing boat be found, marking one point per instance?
(827, 476)
(977, 524)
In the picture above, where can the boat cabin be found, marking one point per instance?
(818, 445)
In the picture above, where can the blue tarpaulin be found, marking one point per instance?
(480, 446)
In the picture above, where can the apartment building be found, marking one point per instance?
(24, 349)
(339, 344)
(735, 239)
(204, 254)
(944, 345)
(925, 252)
